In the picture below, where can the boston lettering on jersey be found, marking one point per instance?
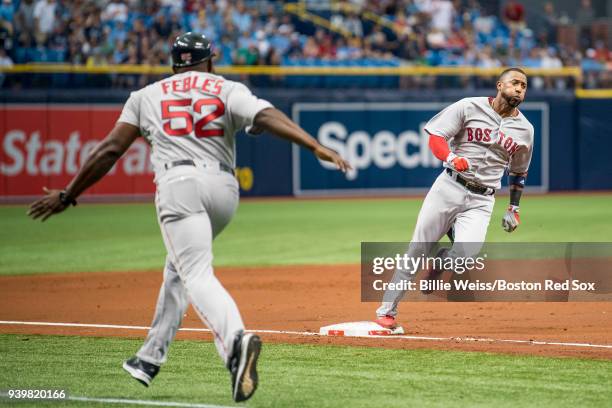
(484, 135)
(478, 134)
(506, 141)
(208, 85)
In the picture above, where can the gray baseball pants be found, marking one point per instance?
(193, 206)
(447, 203)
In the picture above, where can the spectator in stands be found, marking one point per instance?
(162, 26)
(25, 23)
(447, 32)
(5, 61)
(196, 20)
(483, 26)
(241, 17)
(75, 53)
(229, 29)
(7, 12)
(7, 27)
(436, 39)
(549, 59)
(355, 48)
(486, 59)
(281, 38)
(173, 7)
(272, 58)
(327, 48)
(270, 19)
(377, 41)
(353, 24)
(311, 49)
(117, 34)
(412, 48)
(584, 18)
(116, 10)
(294, 50)
(602, 54)
(44, 19)
(358, 4)
(263, 46)
(342, 49)
(456, 40)
(177, 26)
(57, 39)
(119, 53)
(247, 53)
(514, 15)
(442, 15)
(224, 51)
(337, 20)
(96, 56)
(94, 28)
(532, 59)
(550, 21)
(423, 6)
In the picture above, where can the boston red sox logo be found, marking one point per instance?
(484, 135)
(186, 57)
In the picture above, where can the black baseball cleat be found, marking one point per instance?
(242, 365)
(142, 371)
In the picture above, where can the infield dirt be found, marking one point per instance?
(304, 298)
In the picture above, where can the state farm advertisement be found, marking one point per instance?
(44, 146)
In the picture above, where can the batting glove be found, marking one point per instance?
(511, 219)
(457, 163)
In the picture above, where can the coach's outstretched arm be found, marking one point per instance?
(99, 162)
(276, 122)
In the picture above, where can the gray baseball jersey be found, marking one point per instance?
(490, 143)
(193, 115)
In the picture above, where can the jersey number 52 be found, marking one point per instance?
(203, 127)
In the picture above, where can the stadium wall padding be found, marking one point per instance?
(39, 127)
(594, 170)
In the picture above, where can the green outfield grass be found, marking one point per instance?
(126, 236)
(307, 376)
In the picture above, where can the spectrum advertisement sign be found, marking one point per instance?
(387, 147)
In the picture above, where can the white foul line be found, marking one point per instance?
(297, 333)
(126, 402)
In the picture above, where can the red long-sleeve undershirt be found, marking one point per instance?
(439, 147)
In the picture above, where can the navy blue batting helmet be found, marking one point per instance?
(191, 49)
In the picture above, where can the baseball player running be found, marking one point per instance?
(486, 136)
(190, 120)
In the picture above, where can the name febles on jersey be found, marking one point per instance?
(193, 115)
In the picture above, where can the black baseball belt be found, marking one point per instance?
(470, 185)
(221, 166)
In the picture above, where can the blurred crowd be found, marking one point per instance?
(261, 32)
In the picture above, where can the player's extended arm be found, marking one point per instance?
(99, 162)
(440, 149)
(276, 122)
(516, 183)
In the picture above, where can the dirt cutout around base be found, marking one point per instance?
(302, 299)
